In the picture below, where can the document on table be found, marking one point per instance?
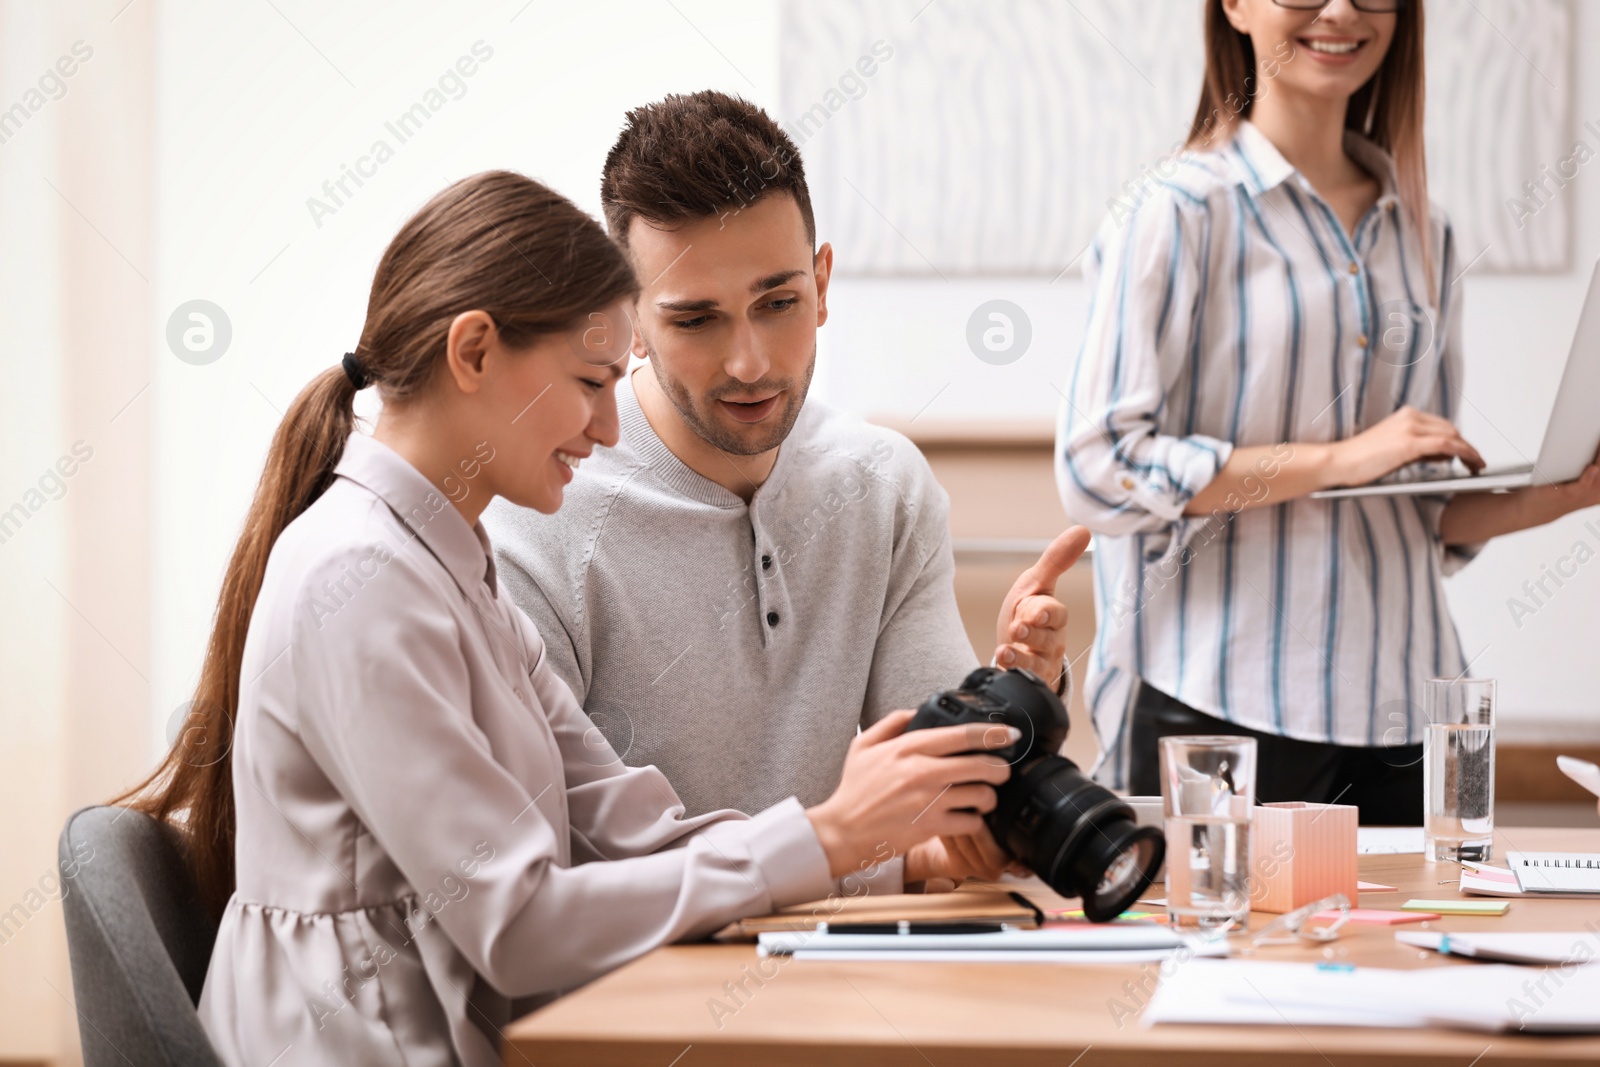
(1388, 840)
(1538, 949)
(1112, 943)
(1491, 997)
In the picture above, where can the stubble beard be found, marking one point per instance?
(706, 427)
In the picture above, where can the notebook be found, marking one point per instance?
(968, 904)
(1556, 872)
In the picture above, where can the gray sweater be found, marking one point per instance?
(738, 647)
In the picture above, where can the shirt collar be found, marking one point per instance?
(464, 550)
(1260, 167)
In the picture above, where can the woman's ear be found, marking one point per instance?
(467, 346)
(1237, 17)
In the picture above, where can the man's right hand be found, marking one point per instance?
(1407, 436)
(899, 789)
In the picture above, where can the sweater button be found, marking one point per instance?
(1355, 268)
(772, 618)
(1127, 483)
(766, 563)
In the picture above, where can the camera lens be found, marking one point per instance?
(1077, 836)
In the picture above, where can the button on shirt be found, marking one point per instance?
(1230, 306)
(738, 646)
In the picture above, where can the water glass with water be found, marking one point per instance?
(1458, 769)
(1208, 788)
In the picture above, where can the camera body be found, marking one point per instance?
(1079, 837)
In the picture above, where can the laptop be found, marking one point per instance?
(1570, 437)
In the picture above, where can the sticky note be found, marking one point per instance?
(1459, 907)
(1381, 916)
(1373, 887)
(1076, 915)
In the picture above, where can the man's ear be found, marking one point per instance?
(471, 338)
(639, 348)
(822, 267)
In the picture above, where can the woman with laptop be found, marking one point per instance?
(410, 829)
(1278, 315)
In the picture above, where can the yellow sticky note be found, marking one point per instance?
(1458, 907)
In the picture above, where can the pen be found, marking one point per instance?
(913, 928)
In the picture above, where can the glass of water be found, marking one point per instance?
(1208, 788)
(1458, 769)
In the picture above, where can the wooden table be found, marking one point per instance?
(663, 1010)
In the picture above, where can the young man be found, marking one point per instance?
(744, 577)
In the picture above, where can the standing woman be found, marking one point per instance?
(415, 830)
(1277, 315)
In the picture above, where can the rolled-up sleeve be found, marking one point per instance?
(1117, 471)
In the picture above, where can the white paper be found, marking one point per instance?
(1075, 940)
(1543, 948)
(1388, 840)
(1481, 997)
(1143, 955)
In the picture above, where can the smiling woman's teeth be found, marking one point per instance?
(1334, 48)
(569, 459)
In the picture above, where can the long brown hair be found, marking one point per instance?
(1387, 110)
(496, 242)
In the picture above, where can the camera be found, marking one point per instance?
(1079, 837)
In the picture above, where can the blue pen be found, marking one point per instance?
(1336, 966)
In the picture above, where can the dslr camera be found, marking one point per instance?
(1079, 837)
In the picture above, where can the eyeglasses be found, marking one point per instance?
(1296, 926)
(1375, 7)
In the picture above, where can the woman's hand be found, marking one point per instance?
(1405, 437)
(1473, 517)
(900, 789)
(1583, 491)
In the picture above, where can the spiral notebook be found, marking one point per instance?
(1556, 872)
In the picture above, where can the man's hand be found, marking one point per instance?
(1032, 629)
(941, 863)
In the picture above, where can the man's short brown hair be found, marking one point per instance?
(698, 156)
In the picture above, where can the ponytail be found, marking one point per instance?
(497, 242)
(195, 779)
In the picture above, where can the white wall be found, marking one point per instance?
(255, 113)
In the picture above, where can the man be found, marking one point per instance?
(746, 577)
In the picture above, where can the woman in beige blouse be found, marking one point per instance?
(410, 828)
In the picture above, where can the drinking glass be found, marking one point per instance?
(1208, 788)
(1458, 769)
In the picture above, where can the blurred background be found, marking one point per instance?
(193, 197)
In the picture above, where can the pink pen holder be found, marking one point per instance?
(1302, 853)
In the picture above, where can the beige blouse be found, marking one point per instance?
(432, 835)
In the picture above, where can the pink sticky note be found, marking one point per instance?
(1380, 916)
(1373, 887)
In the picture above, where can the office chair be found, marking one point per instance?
(139, 938)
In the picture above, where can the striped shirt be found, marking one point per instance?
(1231, 307)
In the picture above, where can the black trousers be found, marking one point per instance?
(1385, 783)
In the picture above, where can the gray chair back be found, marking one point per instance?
(139, 939)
